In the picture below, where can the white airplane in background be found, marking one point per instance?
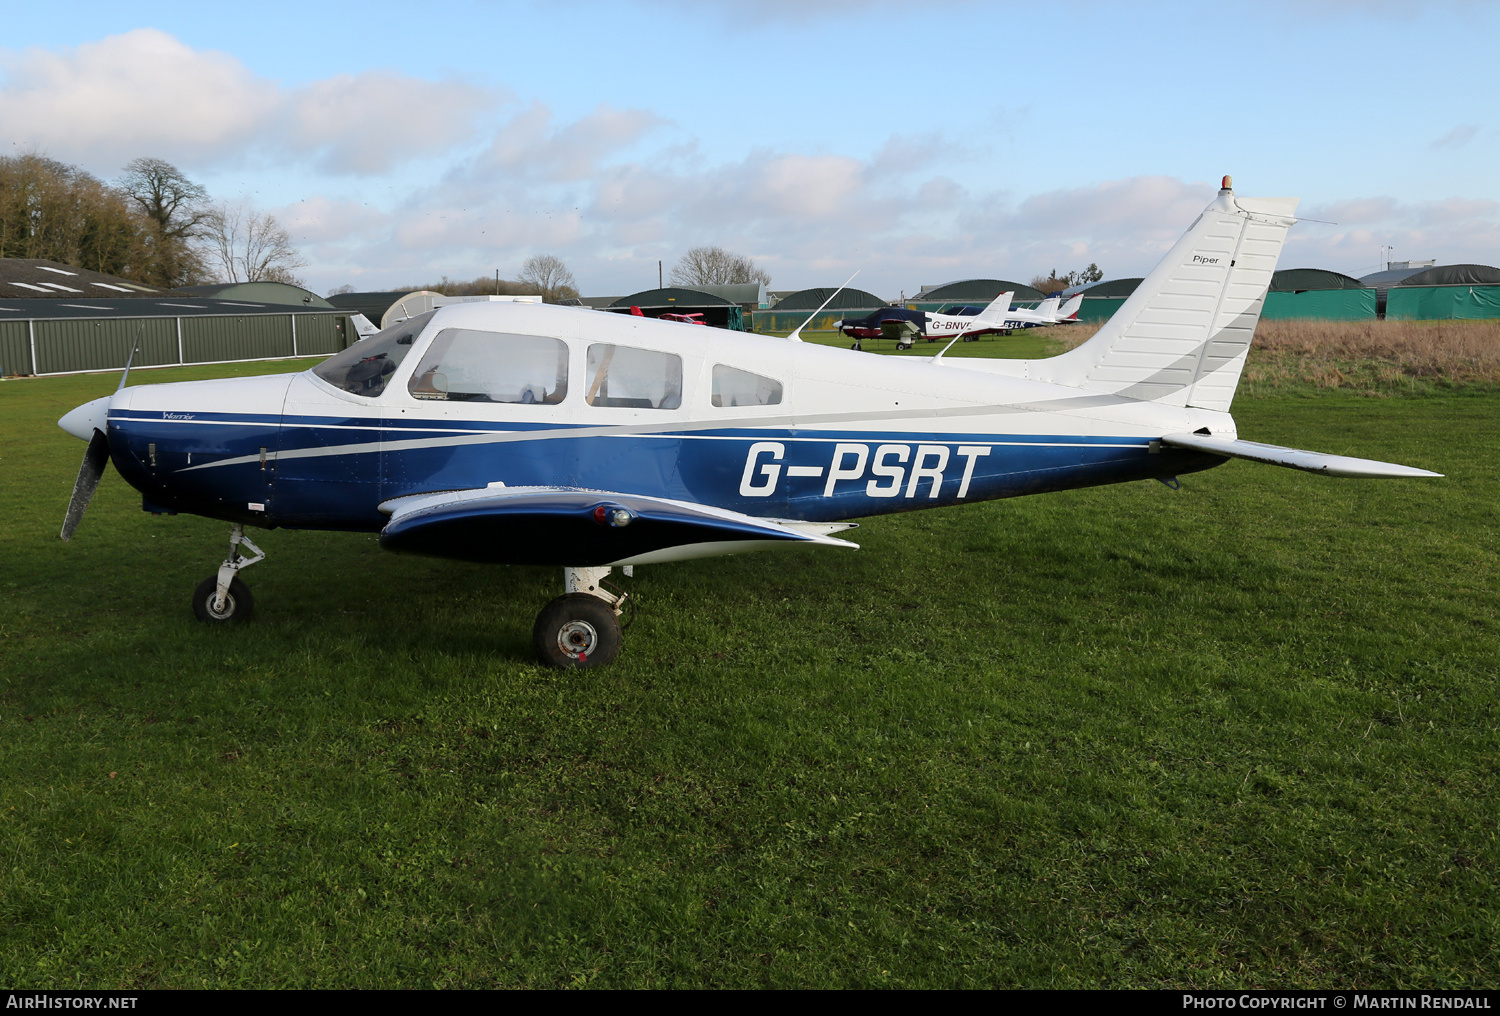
(1048, 312)
(527, 434)
(906, 326)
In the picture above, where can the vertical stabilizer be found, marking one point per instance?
(998, 307)
(1182, 336)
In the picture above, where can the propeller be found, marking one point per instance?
(89, 473)
(91, 421)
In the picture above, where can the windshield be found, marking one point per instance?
(365, 367)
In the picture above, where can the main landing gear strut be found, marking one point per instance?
(581, 628)
(222, 598)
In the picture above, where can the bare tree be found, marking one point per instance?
(165, 196)
(715, 266)
(175, 209)
(548, 276)
(243, 245)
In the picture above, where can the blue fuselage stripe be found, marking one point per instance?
(332, 472)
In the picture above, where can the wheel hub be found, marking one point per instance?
(577, 638)
(228, 606)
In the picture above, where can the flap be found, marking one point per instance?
(576, 527)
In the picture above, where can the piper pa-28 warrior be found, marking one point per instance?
(527, 434)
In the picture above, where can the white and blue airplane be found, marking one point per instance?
(525, 434)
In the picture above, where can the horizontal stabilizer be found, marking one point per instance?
(575, 527)
(1294, 458)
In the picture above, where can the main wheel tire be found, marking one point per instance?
(238, 603)
(575, 631)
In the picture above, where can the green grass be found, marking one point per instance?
(1243, 734)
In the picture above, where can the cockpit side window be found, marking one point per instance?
(623, 377)
(365, 367)
(465, 365)
(735, 387)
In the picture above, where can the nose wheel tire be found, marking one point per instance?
(576, 631)
(238, 603)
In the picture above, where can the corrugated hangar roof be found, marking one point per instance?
(1109, 287)
(1442, 275)
(38, 278)
(848, 299)
(138, 307)
(671, 297)
(371, 305)
(977, 290)
(260, 292)
(746, 294)
(1300, 280)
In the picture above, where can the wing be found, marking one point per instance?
(1294, 458)
(577, 528)
(898, 328)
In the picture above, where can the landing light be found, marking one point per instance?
(615, 517)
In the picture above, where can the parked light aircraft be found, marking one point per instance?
(529, 434)
(1047, 313)
(906, 326)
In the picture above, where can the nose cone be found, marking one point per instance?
(87, 418)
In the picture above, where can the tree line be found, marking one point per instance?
(1054, 281)
(542, 275)
(546, 275)
(153, 225)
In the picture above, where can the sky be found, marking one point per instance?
(917, 143)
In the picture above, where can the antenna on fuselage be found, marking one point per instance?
(135, 348)
(961, 332)
(796, 335)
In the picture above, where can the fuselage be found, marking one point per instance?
(755, 424)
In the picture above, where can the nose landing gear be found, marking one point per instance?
(581, 628)
(223, 598)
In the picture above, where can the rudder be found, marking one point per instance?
(1182, 336)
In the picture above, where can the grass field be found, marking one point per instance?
(1243, 734)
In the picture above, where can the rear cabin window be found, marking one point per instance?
(735, 387)
(464, 365)
(364, 367)
(622, 377)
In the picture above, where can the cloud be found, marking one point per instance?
(354, 120)
(615, 190)
(1457, 137)
(531, 146)
(752, 12)
(146, 93)
(1452, 230)
(1137, 206)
